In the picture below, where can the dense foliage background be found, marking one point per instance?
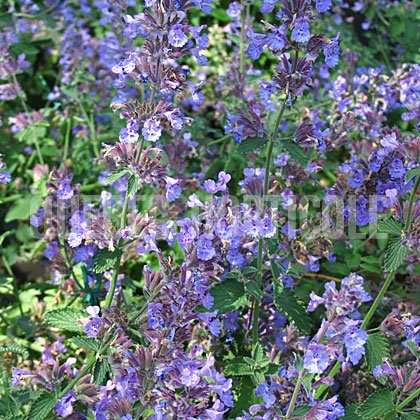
(209, 209)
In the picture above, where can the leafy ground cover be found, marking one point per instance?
(209, 210)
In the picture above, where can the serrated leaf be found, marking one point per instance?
(42, 406)
(301, 410)
(251, 144)
(33, 132)
(390, 225)
(132, 185)
(274, 269)
(117, 174)
(410, 416)
(295, 152)
(414, 348)
(252, 288)
(107, 259)
(307, 382)
(238, 367)
(65, 319)
(377, 348)
(15, 348)
(272, 369)
(228, 296)
(249, 360)
(246, 397)
(248, 271)
(100, 371)
(272, 245)
(395, 254)
(411, 174)
(377, 405)
(288, 304)
(259, 356)
(350, 412)
(86, 343)
(24, 397)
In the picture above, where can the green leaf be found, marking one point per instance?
(246, 397)
(252, 288)
(117, 174)
(301, 410)
(272, 369)
(228, 296)
(410, 416)
(371, 268)
(411, 174)
(238, 367)
(107, 259)
(397, 26)
(100, 371)
(350, 412)
(132, 185)
(23, 208)
(298, 363)
(377, 348)
(86, 343)
(287, 303)
(295, 152)
(65, 319)
(42, 406)
(33, 132)
(259, 356)
(15, 348)
(414, 348)
(272, 245)
(390, 225)
(371, 260)
(395, 254)
(248, 271)
(353, 260)
(337, 268)
(307, 382)
(251, 144)
(376, 405)
(274, 269)
(38, 247)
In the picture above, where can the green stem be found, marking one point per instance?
(82, 373)
(260, 241)
(38, 152)
(410, 398)
(67, 138)
(123, 220)
(220, 140)
(256, 310)
(295, 394)
(114, 279)
(242, 44)
(90, 187)
(411, 202)
(15, 287)
(91, 125)
(383, 290)
(378, 299)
